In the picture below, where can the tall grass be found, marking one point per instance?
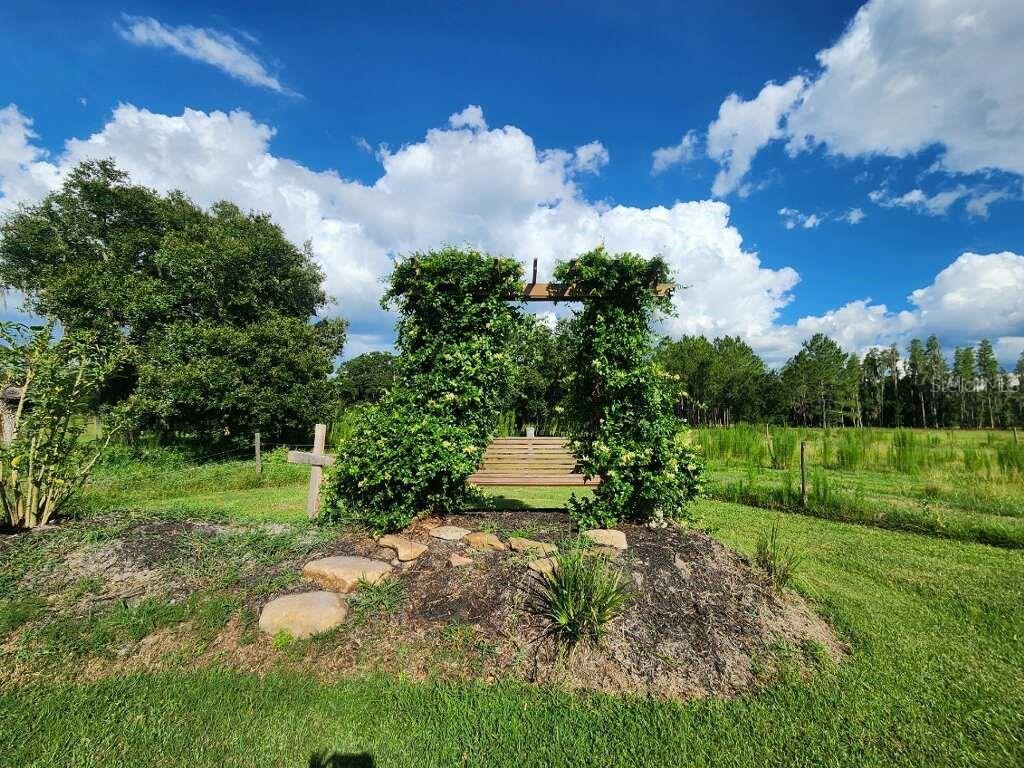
(990, 455)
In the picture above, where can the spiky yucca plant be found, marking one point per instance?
(579, 597)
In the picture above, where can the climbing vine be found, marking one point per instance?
(412, 453)
(620, 404)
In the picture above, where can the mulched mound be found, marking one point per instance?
(699, 621)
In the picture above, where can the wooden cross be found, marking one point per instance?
(317, 460)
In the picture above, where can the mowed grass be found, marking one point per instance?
(936, 678)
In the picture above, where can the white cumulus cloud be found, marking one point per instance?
(210, 46)
(744, 127)
(678, 154)
(495, 189)
(905, 76)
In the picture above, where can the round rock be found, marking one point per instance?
(302, 615)
(533, 547)
(483, 541)
(448, 532)
(406, 549)
(545, 566)
(343, 574)
(606, 537)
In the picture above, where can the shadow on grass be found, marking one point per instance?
(327, 759)
(508, 502)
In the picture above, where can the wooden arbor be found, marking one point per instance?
(539, 461)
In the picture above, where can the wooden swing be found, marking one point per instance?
(538, 461)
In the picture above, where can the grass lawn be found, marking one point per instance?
(936, 678)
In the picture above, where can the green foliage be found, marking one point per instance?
(47, 460)
(222, 382)
(380, 598)
(777, 560)
(365, 378)
(540, 359)
(214, 304)
(724, 380)
(412, 453)
(620, 405)
(580, 597)
(400, 462)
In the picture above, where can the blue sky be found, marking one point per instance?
(884, 148)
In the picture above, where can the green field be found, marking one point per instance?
(936, 674)
(966, 485)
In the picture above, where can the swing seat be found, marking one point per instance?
(540, 461)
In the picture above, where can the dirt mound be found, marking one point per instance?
(700, 621)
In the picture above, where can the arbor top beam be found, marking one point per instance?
(564, 292)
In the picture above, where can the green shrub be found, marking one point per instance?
(777, 561)
(621, 405)
(47, 459)
(580, 597)
(412, 453)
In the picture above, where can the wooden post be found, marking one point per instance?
(1014, 435)
(803, 474)
(259, 455)
(316, 472)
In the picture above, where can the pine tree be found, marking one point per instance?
(873, 385)
(936, 377)
(892, 364)
(963, 371)
(916, 371)
(988, 373)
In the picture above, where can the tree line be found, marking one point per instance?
(727, 382)
(822, 385)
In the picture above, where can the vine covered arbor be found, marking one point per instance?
(415, 451)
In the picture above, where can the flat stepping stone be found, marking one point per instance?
(407, 550)
(343, 574)
(459, 561)
(449, 532)
(545, 566)
(606, 537)
(302, 615)
(533, 547)
(485, 541)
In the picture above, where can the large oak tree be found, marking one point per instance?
(218, 306)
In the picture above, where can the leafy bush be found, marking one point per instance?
(47, 460)
(620, 407)
(412, 453)
(580, 597)
(397, 463)
(777, 561)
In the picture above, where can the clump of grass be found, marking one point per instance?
(778, 561)
(19, 610)
(783, 447)
(380, 598)
(579, 598)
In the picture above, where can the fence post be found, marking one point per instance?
(259, 455)
(803, 474)
(316, 472)
(1014, 435)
